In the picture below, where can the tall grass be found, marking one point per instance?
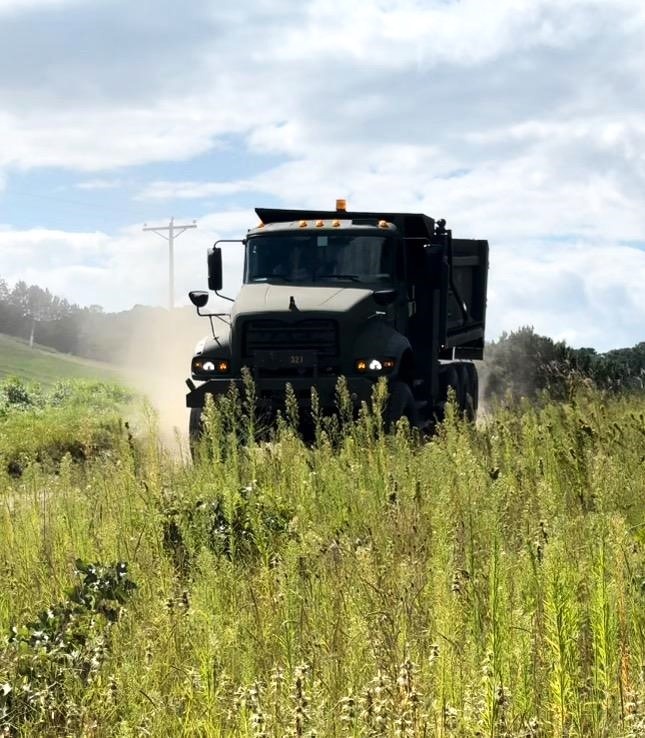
(489, 581)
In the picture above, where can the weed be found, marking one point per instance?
(487, 582)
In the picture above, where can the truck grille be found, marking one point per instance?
(275, 335)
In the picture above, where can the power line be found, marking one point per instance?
(173, 232)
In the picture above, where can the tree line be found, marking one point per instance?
(522, 362)
(38, 316)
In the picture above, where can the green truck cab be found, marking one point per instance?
(361, 295)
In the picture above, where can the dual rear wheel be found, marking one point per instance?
(461, 377)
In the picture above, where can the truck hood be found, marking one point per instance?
(265, 298)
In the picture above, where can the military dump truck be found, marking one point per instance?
(362, 295)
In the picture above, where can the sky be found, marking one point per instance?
(519, 121)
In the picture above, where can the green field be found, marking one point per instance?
(46, 366)
(487, 582)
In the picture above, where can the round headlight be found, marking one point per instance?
(375, 365)
(208, 366)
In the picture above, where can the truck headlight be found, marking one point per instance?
(380, 365)
(210, 366)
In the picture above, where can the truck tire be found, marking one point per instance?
(467, 404)
(473, 383)
(452, 378)
(400, 404)
(195, 428)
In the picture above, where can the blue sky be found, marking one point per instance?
(520, 121)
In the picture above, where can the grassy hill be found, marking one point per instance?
(45, 365)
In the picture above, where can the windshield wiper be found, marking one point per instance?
(351, 277)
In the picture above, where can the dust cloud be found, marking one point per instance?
(156, 362)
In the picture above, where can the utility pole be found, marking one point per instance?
(173, 232)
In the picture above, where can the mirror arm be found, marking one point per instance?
(221, 316)
(223, 297)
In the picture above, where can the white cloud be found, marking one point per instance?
(587, 294)
(120, 271)
(519, 121)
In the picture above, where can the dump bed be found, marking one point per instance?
(464, 306)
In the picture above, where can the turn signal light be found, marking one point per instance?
(223, 366)
(375, 366)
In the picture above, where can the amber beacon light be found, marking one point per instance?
(341, 205)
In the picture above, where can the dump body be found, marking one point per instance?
(354, 294)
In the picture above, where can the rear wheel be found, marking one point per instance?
(473, 383)
(467, 405)
(451, 380)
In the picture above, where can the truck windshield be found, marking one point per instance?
(320, 258)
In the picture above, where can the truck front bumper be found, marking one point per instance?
(271, 392)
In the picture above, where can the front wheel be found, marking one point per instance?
(195, 428)
(401, 404)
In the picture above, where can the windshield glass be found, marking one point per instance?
(320, 258)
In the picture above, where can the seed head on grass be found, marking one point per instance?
(300, 712)
(348, 713)
(450, 718)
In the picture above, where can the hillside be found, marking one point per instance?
(45, 365)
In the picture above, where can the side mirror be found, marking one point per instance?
(384, 297)
(214, 260)
(198, 298)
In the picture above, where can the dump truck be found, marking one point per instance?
(359, 295)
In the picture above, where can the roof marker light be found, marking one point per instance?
(302, 224)
(336, 224)
(319, 224)
(383, 224)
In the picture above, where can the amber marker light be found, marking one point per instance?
(223, 367)
(302, 224)
(336, 224)
(319, 224)
(388, 363)
(361, 365)
(383, 224)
